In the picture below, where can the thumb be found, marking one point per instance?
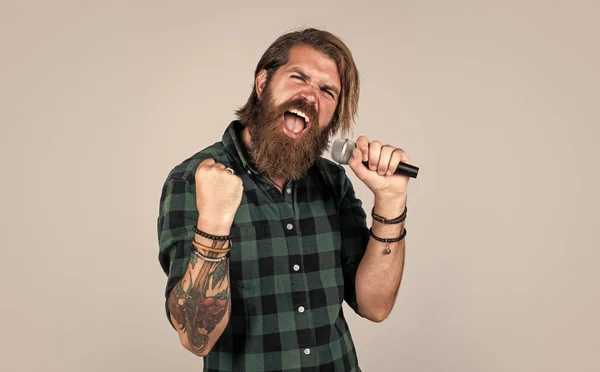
(355, 163)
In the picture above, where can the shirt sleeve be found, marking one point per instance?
(355, 237)
(177, 216)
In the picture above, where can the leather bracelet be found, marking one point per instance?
(210, 249)
(387, 240)
(210, 236)
(209, 259)
(396, 220)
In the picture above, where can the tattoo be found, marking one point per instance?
(200, 307)
(193, 260)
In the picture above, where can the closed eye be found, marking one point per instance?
(330, 93)
(297, 77)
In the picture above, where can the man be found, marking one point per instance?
(262, 239)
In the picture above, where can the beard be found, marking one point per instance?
(273, 153)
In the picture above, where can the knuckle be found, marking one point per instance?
(207, 161)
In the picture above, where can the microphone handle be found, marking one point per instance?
(403, 169)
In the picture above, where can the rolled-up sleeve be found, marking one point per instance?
(355, 237)
(177, 216)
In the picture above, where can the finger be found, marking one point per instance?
(362, 143)
(405, 158)
(384, 159)
(206, 163)
(395, 159)
(355, 163)
(219, 166)
(374, 153)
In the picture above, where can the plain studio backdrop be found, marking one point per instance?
(495, 101)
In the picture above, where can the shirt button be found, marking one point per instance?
(296, 267)
(288, 190)
(307, 351)
(301, 309)
(290, 226)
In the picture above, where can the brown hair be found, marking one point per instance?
(330, 45)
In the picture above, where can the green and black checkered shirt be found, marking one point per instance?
(293, 262)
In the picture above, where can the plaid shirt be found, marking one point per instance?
(294, 260)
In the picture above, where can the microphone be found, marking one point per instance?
(341, 152)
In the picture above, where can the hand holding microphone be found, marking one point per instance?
(342, 149)
(380, 167)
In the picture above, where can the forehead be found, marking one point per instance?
(313, 63)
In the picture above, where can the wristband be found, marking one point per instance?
(396, 220)
(387, 240)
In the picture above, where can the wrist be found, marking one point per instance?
(389, 206)
(214, 226)
(211, 227)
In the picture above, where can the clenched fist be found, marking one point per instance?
(218, 194)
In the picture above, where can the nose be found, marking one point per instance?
(309, 94)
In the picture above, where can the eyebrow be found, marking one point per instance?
(306, 77)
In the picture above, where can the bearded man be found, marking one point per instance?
(262, 239)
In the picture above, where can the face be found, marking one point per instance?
(290, 128)
(308, 75)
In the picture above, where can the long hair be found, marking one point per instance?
(277, 55)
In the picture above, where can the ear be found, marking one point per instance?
(260, 82)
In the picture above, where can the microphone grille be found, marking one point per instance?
(341, 150)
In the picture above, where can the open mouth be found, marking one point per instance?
(295, 122)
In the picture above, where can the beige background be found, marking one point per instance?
(496, 101)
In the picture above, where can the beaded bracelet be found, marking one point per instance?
(213, 237)
(387, 240)
(398, 219)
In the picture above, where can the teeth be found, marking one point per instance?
(301, 114)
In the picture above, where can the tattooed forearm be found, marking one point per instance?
(200, 301)
(193, 260)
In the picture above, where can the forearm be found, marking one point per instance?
(379, 274)
(200, 303)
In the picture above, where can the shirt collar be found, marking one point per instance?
(232, 140)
